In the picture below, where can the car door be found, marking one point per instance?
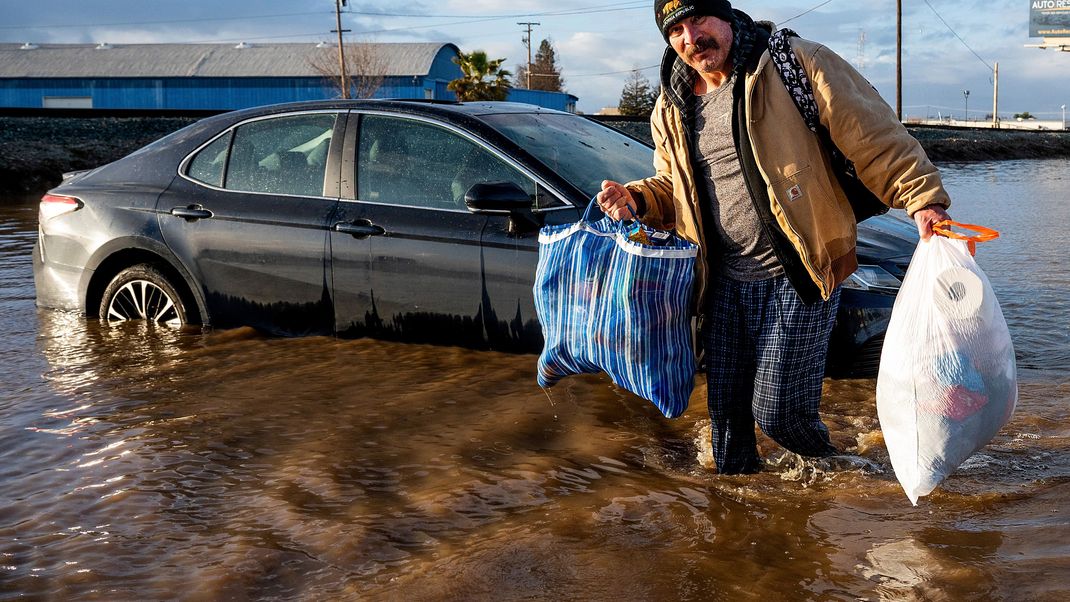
(249, 220)
(406, 252)
(510, 252)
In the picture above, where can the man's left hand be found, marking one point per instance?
(925, 218)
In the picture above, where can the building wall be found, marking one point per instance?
(165, 93)
(443, 66)
(229, 93)
(432, 86)
(125, 89)
(442, 91)
(415, 87)
(551, 100)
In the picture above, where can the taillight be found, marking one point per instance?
(53, 205)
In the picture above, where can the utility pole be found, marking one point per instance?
(995, 96)
(343, 77)
(899, 59)
(861, 57)
(527, 42)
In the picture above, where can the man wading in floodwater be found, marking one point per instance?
(739, 173)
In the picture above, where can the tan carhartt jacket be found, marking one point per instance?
(804, 197)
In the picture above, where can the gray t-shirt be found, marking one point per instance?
(745, 250)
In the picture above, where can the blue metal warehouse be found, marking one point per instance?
(223, 76)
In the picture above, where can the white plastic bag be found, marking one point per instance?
(947, 381)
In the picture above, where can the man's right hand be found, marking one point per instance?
(615, 201)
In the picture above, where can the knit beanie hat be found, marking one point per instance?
(670, 12)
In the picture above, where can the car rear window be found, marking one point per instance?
(207, 165)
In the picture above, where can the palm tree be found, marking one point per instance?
(482, 80)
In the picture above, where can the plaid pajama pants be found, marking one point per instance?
(765, 360)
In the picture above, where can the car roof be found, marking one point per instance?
(442, 108)
(468, 115)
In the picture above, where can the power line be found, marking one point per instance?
(607, 8)
(429, 26)
(164, 22)
(581, 10)
(614, 72)
(805, 12)
(990, 68)
(477, 19)
(312, 38)
(615, 7)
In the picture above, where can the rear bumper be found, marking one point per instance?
(57, 286)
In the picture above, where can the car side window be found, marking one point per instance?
(413, 163)
(207, 165)
(282, 155)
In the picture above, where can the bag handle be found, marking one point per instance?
(983, 234)
(594, 206)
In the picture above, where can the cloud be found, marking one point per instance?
(591, 53)
(937, 66)
(470, 7)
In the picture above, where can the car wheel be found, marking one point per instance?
(142, 292)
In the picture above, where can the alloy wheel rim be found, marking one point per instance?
(143, 300)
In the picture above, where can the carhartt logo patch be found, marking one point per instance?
(795, 193)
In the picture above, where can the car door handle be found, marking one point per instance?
(360, 228)
(192, 212)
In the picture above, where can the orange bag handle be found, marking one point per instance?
(983, 234)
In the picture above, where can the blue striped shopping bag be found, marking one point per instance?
(615, 297)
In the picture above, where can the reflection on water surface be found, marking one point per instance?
(227, 464)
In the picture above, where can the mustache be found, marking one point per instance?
(703, 44)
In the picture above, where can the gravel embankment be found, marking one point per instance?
(36, 151)
(948, 145)
(945, 144)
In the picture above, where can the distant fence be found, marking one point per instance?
(1004, 124)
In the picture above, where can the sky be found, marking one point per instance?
(949, 46)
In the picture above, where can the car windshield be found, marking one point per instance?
(581, 151)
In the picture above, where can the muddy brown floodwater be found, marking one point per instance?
(151, 464)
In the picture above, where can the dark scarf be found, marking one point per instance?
(678, 79)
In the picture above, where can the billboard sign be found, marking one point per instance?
(1049, 18)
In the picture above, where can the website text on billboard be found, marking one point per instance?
(1049, 18)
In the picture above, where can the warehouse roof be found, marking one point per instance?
(207, 60)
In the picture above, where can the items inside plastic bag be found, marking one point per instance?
(947, 381)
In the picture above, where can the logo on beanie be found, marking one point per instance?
(667, 13)
(675, 11)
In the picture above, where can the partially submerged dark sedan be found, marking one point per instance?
(403, 220)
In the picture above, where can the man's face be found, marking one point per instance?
(705, 43)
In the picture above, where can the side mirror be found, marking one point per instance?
(497, 198)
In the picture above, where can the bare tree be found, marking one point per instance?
(366, 68)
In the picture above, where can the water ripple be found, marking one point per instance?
(144, 462)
